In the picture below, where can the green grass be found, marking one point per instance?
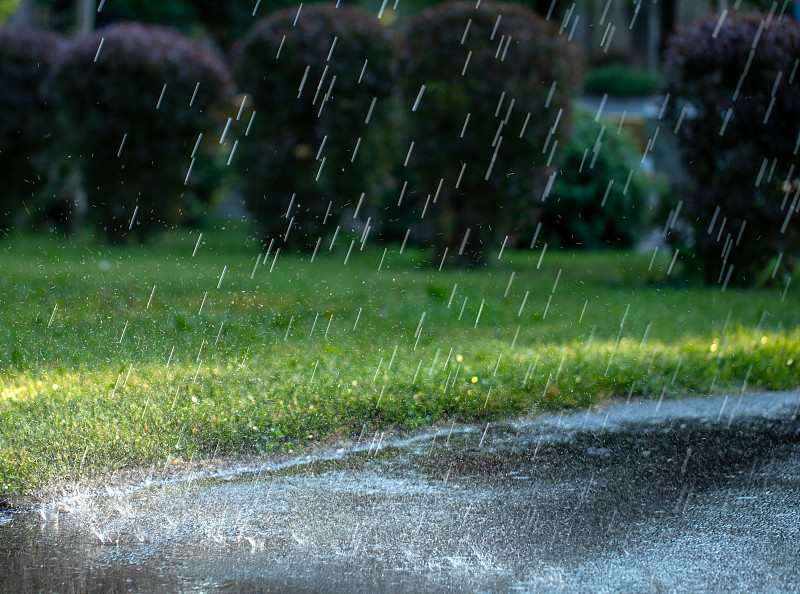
(92, 379)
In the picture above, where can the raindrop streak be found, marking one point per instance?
(408, 155)
(233, 150)
(151, 298)
(197, 244)
(524, 300)
(121, 144)
(99, 47)
(419, 98)
(225, 131)
(539, 263)
(583, 311)
(480, 311)
(358, 317)
(203, 303)
(252, 117)
(123, 334)
(161, 97)
(508, 286)
(619, 336)
(383, 7)
(405, 239)
(288, 329)
(221, 276)
(653, 258)
(133, 218)
(380, 264)
(53, 315)
(502, 247)
(350, 249)
(671, 264)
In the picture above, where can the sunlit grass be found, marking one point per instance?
(126, 356)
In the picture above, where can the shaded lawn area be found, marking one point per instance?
(115, 357)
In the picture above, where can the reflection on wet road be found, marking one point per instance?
(698, 494)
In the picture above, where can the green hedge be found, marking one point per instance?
(320, 82)
(620, 81)
(600, 197)
(487, 183)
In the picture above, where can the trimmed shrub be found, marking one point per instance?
(28, 121)
(479, 115)
(735, 103)
(320, 88)
(600, 195)
(620, 81)
(133, 101)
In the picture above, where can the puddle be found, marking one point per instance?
(635, 496)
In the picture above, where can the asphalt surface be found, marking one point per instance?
(697, 495)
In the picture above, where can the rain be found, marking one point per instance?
(489, 297)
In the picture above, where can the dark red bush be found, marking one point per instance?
(734, 89)
(27, 121)
(133, 101)
(506, 69)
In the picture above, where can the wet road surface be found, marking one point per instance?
(691, 495)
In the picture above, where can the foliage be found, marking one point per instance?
(224, 20)
(620, 81)
(7, 9)
(736, 95)
(27, 121)
(120, 356)
(146, 94)
(600, 196)
(321, 91)
(487, 182)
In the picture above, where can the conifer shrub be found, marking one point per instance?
(28, 120)
(487, 98)
(734, 105)
(133, 102)
(601, 194)
(320, 81)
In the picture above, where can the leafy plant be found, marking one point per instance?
(146, 95)
(600, 197)
(319, 82)
(479, 115)
(27, 121)
(734, 97)
(620, 81)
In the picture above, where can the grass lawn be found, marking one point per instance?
(193, 346)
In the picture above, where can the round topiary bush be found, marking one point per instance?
(487, 99)
(28, 121)
(320, 80)
(600, 196)
(734, 104)
(133, 101)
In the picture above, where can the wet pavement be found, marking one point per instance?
(692, 495)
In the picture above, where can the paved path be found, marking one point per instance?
(698, 495)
